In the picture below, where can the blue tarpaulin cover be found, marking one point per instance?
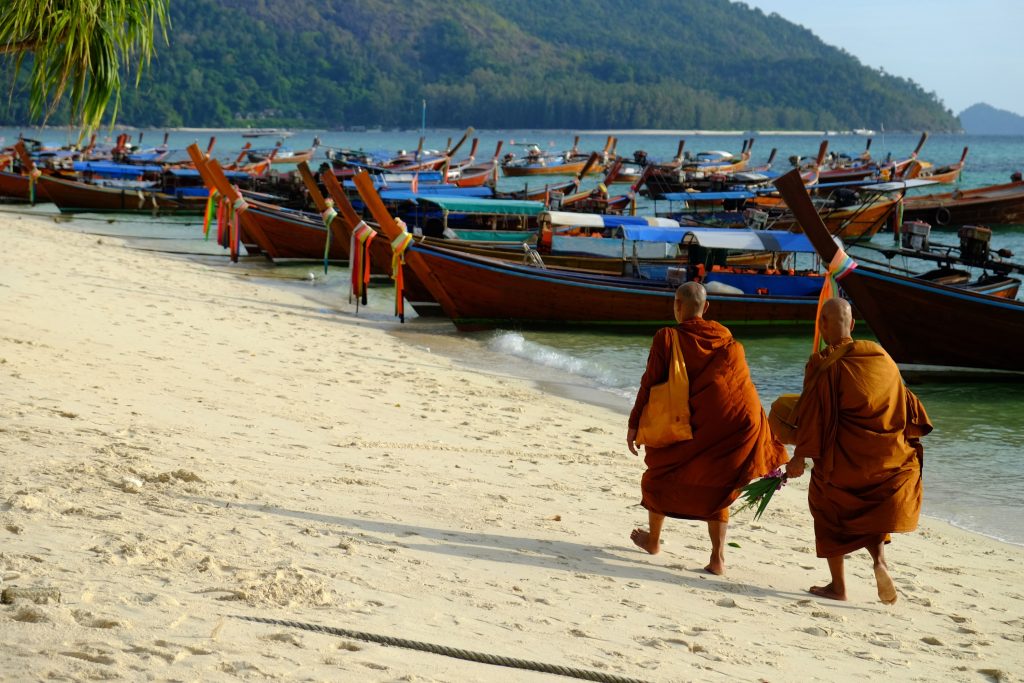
(112, 170)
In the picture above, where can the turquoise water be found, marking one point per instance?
(974, 472)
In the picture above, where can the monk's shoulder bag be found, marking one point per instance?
(784, 410)
(665, 418)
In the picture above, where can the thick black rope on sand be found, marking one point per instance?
(457, 653)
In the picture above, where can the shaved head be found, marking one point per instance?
(691, 301)
(836, 320)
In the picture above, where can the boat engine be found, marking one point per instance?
(915, 235)
(974, 241)
(844, 197)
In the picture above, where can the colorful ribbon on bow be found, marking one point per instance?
(32, 176)
(210, 214)
(328, 215)
(841, 266)
(398, 248)
(359, 261)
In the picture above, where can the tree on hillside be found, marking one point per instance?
(78, 48)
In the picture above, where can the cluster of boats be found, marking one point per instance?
(563, 255)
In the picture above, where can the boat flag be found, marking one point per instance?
(399, 245)
(209, 216)
(359, 262)
(841, 266)
(328, 216)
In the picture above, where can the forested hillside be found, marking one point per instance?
(579, 64)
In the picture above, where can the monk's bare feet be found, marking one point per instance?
(827, 592)
(886, 587)
(715, 567)
(643, 540)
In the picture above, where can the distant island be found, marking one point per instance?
(984, 119)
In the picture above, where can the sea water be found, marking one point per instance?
(974, 460)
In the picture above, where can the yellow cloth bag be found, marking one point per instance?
(665, 419)
(782, 417)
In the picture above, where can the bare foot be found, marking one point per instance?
(886, 588)
(827, 592)
(716, 568)
(643, 541)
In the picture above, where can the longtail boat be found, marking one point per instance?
(571, 162)
(849, 214)
(264, 228)
(478, 292)
(949, 173)
(926, 327)
(991, 205)
(684, 174)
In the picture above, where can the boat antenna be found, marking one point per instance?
(423, 120)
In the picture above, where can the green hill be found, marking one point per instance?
(579, 64)
(984, 119)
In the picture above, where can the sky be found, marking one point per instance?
(965, 52)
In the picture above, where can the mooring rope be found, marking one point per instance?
(457, 653)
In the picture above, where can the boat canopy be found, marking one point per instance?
(708, 196)
(403, 179)
(503, 207)
(595, 220)
(749, 240)
(113, 170)
(897, 185)
(432, 193)
(192, 173)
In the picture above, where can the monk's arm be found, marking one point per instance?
(918, 424)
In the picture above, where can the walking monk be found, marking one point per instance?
(731, 444)
(860, 426)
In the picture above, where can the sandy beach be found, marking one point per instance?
(183, 447)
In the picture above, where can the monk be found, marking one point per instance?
(860, 426)
(732, 443)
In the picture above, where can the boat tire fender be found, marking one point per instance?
(942, 215)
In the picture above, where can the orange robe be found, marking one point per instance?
(861, 427)
(731, 445)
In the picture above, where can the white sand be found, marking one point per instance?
(181, 446)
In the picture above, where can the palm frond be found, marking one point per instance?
(79, 50)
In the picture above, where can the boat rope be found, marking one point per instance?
(328, 215)
(457, 653)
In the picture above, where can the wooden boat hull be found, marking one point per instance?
(572, 168)
(989, 330)
(281, 235)
(480, 293)
(71, 196)
(15, 187)
(922, 324)
(993, 205)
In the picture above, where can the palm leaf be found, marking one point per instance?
(79, 50)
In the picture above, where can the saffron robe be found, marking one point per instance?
(732, 443)
(861, 427)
